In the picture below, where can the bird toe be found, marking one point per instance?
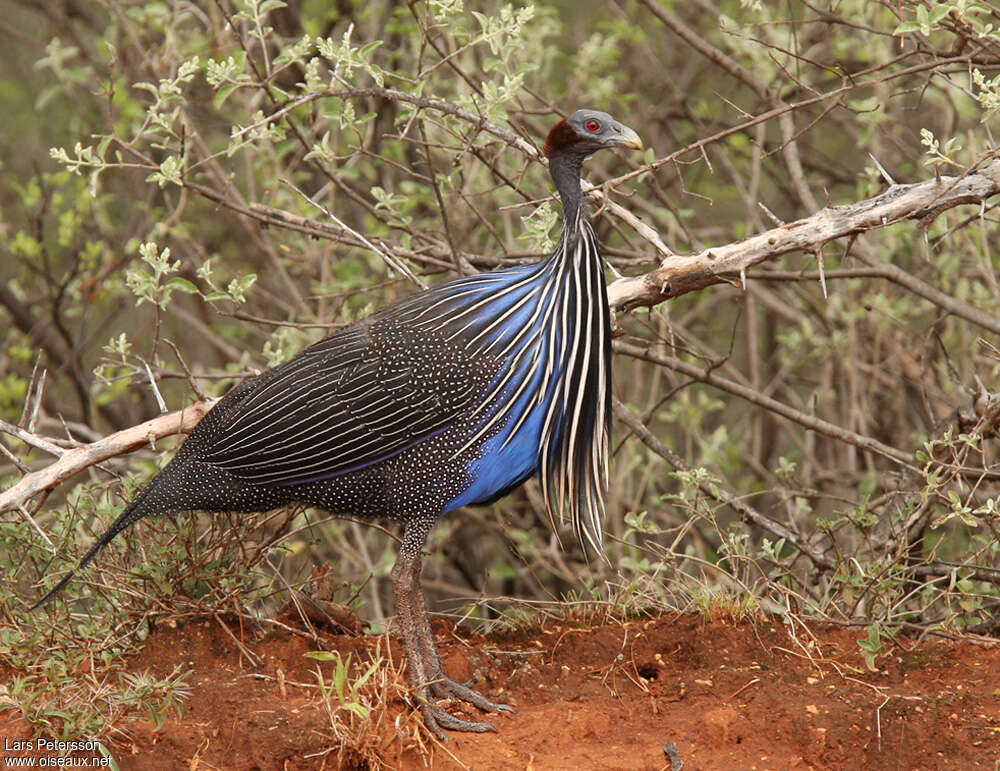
(437, 720)
(445, 686)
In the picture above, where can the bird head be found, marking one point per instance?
(587, 131)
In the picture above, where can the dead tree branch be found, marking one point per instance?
(73, 461)
(729, 263)
(675, 276)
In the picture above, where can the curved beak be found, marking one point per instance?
(627, 138)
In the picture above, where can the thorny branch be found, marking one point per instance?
(676, 275)
(80, 458)
(801, 112)
(729, 263)
(809, 421)
(680, 274)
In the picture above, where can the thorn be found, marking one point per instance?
(770, 215)
(156, 391)
(26, 412)
(881, 170)
(39, 390)
(27, 516)
(822, 275)
(743, 278)
(14, 459)
(704, 156)
(847, 249)
(615, 271)
(992, 351)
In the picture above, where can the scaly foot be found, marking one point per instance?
(437, 720)
(444, 686)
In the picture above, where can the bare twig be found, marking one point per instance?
(747, 512)
(723, 264)
(392, 261)
(809, 421)
(76, 460)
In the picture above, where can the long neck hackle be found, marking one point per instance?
(565, 170)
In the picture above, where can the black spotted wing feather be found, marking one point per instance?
(358, 397)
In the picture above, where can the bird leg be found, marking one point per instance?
(442, 685)
(423, 663)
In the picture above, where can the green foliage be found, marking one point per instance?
(149, 286)
(937, 156)
(988, 93)
(537, 232)
(340, 685)
(160, 697)
(146, 202)
(873, 647)
(70, 679)
(13, 390)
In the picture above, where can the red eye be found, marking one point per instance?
(593, 125)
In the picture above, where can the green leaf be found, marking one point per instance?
(322, 656)
(181, 284)
(939, 12)
(237, 288)
(147, 87)
(222, 94)
(270, 5)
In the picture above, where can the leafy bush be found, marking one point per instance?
(210, 187)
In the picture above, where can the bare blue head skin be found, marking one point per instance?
(573, 139)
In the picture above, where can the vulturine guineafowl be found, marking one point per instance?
(454, 396)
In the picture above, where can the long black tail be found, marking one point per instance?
(136, 510)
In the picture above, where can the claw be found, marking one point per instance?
(437, 720)
(444, 687)
(423, 664)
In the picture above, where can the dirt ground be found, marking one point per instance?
(725, 695)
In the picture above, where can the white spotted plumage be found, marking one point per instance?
(415, 410)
